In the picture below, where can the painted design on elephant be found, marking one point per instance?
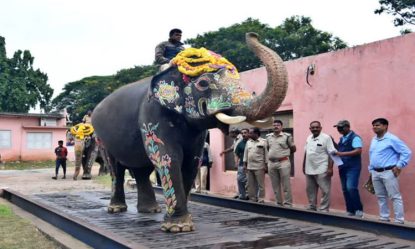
(190, 107)
(162, 164)
(166, 92)
(178, 108)
(188, 90)
(239, 96)
(218, 103)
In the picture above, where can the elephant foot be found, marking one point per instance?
(117, 208)
(178, 225)
(153, 209)
(86, 177)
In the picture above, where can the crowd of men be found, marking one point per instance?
(255, 156)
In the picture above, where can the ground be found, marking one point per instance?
(40, 181)
(22, 230)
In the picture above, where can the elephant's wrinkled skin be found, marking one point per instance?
(93, 152)
(162, 122)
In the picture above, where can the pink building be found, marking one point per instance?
(30, 137)
(359, 84)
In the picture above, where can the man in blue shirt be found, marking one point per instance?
(350, 150)
(388, 155)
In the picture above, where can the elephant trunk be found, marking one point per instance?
(264, 105)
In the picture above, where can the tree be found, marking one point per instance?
(80, 96)
(21, 86)
(295, 38)
(402, 10)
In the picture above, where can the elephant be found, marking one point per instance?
(93, 152)
(162, 121)
(90, 151)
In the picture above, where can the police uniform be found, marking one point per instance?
(256, 157)
(279, 166)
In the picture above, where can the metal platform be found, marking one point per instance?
(216, 227)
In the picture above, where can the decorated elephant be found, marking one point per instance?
(162, 122)
(93, 152)
(87, 151)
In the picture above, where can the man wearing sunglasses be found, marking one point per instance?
(350, 150)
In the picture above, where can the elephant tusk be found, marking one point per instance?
(230, 119)
(263, 123)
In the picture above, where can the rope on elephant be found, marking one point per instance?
(196, 61)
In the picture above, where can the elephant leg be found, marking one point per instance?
(166, 154)
(102, 169)
(177, 218)
(146, 198)
(191, 163)
(117, 203)
(88, 160)
(102, 159)
(190, 168)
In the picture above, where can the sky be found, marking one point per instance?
(74, 39)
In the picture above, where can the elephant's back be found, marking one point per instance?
(115, 119)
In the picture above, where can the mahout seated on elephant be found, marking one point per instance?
(162, 122)
(88, 150)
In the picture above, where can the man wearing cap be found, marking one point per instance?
(388, 155)
(280, 147)
(350, 150)
(318, 167)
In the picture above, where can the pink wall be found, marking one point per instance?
(359, 84)
(19, 127)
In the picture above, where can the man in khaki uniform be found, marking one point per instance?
(280, 146)
(255, 162)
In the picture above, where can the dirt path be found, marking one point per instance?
(40, 181)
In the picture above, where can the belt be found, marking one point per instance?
(383, 169)
(279, 159)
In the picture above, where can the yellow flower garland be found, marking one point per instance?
(81, 130)
(211, 62)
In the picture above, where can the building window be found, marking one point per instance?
(39, 140)
(5, 139)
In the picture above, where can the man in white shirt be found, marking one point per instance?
(318, 167)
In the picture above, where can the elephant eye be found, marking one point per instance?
(202, 85)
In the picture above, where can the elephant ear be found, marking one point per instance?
(166, 88)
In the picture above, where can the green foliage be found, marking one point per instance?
(402, 10)
(104, 180)
(230, 43)
(17, 233)
(295, 38)
(80, 96)
(22, 165)
(5, 211)
(22, 86)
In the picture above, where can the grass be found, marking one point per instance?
(5, 211)
(103, 180)
(21, 165)
(17, 233)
